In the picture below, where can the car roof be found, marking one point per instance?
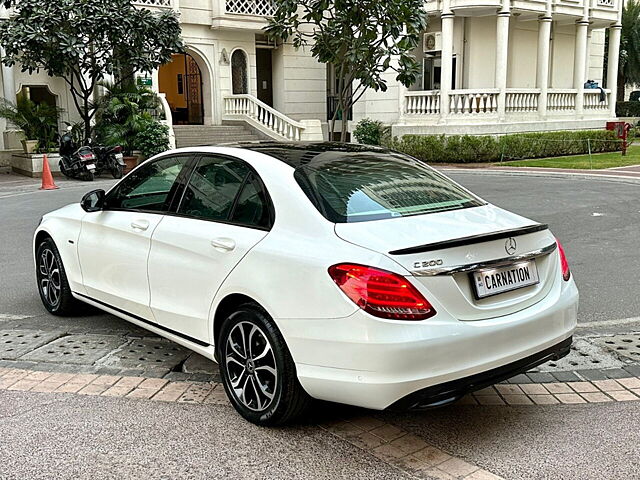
(297, 154)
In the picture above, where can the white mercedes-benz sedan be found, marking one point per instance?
(324, 271)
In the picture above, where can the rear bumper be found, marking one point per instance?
(451, 391)
(364, 361)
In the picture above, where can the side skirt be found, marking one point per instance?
(203, 348)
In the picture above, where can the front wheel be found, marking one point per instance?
(53, 286)
(257, 370)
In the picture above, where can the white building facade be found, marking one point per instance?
(488, 67)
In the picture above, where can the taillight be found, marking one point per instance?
(117, 149)
(381, 293)
(566, 273)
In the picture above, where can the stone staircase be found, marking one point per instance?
(205, 135)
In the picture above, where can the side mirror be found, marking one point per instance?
(93, 201)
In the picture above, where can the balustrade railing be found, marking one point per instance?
(473, 102)
(250, 108)
(561, 100)
(264, 8)
(596, 99)
(153, 3)
(518, 101)
(522, 100)
(422, 103)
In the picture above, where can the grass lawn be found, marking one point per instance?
(600, 160)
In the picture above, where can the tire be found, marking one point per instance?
(88, 176)
(50, 272)
(261, 396)
(64, 171)
(117, 171)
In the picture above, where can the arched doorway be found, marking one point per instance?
(181, 81)
(239, 72)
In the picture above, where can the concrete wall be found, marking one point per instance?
(596, 56)
(523, 52)
(562, 52)
(480, 58)
(299, 84)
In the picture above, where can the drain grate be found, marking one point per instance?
(583, 356)
(76, 349)
(625, 345)
(15, 343)
(147, 353)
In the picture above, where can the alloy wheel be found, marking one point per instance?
(251, 366)
(50, 278)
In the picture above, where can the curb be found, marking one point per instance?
(635, 179)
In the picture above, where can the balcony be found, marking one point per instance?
(242, 14)
(602, 11)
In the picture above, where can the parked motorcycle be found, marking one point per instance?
(109, 159)
(76, 162)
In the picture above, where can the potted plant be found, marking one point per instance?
(123, 112)
(38, 122)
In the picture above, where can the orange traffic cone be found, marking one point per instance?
(47, 178)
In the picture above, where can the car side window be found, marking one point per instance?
(213, 188)
(252, 207)
(149, 188)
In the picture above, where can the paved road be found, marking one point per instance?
(68, 436)
(598, 222)
(47, 436)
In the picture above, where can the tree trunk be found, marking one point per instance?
(621, 85)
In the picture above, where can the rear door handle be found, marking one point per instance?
(141, 225)
(223, 244)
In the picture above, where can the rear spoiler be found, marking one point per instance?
(471, 240)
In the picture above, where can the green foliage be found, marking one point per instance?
(122, 113)
(629, 67)
(361, 39)
(480, 149)
(371, 132)
(82, 41)
(152, 139)
(628, 109)
(38, 121)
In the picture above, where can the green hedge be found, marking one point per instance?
(628, 109)
(480, 149)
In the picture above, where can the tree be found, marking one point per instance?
(629, 66)
(361, 39)
(81, 41)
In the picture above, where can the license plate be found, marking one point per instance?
(505, 279)
(119, 156)
(91, 166)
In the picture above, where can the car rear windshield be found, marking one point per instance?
(364, 186)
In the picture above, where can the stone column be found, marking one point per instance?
(446, 75)
(612, 67)
(502, 56)
(542, 65)
(579, 63)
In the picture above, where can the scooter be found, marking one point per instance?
(76, 162)
(109, 159)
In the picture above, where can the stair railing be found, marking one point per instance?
(265, 118)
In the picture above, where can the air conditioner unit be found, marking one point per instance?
(432, 41)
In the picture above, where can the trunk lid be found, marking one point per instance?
(439, 242)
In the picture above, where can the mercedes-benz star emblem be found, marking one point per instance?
(510, 245)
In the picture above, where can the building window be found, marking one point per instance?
(239, 72)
